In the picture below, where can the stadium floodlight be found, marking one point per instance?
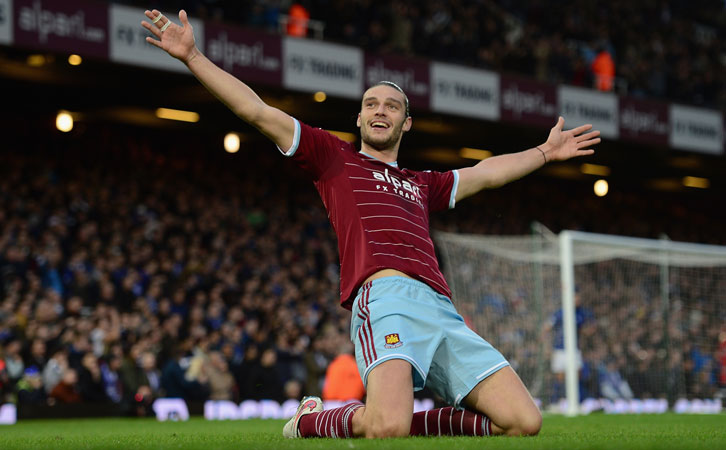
(601, 188)
(641, 313)
(64, 121)
(75, 60)
(231, 142)
(320, 96)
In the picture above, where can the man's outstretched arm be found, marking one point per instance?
(500, 170)
(178, 41)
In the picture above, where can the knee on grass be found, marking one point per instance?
(387, 428)
(527, 425)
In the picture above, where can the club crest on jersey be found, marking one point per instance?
(393, 341)
(403, 188)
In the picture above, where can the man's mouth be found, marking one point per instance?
(380, 124)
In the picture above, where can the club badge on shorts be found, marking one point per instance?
(393, 341)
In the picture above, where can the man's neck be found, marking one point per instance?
(387, 156)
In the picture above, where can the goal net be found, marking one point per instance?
(587, 316)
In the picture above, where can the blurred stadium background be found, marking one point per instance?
(147, 253)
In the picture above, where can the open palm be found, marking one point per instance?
(176, 40)
(563, 145)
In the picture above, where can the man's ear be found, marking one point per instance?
(357, 122)
(407, 124)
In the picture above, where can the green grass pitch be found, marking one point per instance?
(588, 432)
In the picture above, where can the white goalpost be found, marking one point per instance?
(599, 317)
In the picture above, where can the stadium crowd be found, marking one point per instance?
(121, 279)
(135, 272)
(664, 49)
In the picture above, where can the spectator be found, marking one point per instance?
(293, 390)
(36, 354)
(316, 362)
(263, 378)
(30, 388)
(174, 382)
(152, 374)
(67, 390)
(4, 381)
(342, 381)
(90, 380)
(612, 384)
(141, 381)
(298, 18)
(148, 374)
(251, 360)
(14, 365)
(721, 358)
(221, 381)
(583, 319)
(111, 377)
(603, 68)
(55, 369)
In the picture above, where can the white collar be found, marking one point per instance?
(394, 163)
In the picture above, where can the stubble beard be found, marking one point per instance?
(382, 143)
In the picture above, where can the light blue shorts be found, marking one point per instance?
(402, 318)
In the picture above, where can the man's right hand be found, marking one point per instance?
(176, 40)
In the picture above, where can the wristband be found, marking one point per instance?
(543, 153)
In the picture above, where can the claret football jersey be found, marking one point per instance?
(380, 212)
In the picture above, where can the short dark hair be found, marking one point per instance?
(398, 88)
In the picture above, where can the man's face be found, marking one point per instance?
(382, 119)
(148, 361)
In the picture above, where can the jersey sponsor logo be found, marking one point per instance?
(401, 187)
(393, 341)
